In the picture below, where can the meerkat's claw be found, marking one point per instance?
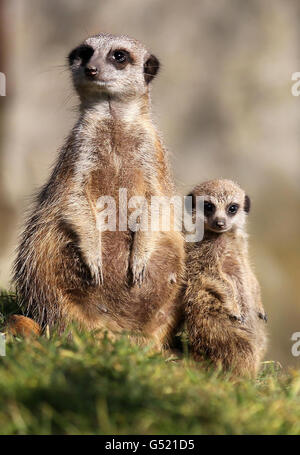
(138, 277)
(263, 316)
(97, 273)
(138, 269)
(173, 278)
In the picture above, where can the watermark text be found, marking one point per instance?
(2, 345)
(2, 84)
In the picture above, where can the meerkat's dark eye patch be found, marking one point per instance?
(151, 68)
(119, 58)
(209, 208)
(247, 204)
(232, 209)
(82, 52)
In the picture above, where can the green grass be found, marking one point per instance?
(82, 386)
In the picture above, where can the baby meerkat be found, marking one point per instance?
(67, 267)
(222, 302)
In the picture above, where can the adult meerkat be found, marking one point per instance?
(67, 268)
(222, 302)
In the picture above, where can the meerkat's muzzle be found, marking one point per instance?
(91, 71)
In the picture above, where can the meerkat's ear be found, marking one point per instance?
(151, 67)
(247, 204)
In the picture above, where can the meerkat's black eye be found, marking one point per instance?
(232, 209)
(120, 56)
(209, 208)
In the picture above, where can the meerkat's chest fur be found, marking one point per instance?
(234, 264)
(225, 257)
(113, 147)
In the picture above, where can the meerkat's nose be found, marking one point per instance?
(220, 223)
(91, 71)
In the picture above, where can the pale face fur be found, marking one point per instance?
(225, 205)
(114, 67)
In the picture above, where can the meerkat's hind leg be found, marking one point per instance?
(228, 350)
(21, 325)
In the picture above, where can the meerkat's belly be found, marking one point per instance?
(115, 183)
(131, 304)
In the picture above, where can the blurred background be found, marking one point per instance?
(222, 101)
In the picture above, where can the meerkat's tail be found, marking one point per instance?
(21, 325)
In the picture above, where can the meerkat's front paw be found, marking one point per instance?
(96, 271)
(234, 312)
(138, 269)
(263, 316)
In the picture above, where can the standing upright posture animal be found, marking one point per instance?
(222, 303)
(67, 268)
